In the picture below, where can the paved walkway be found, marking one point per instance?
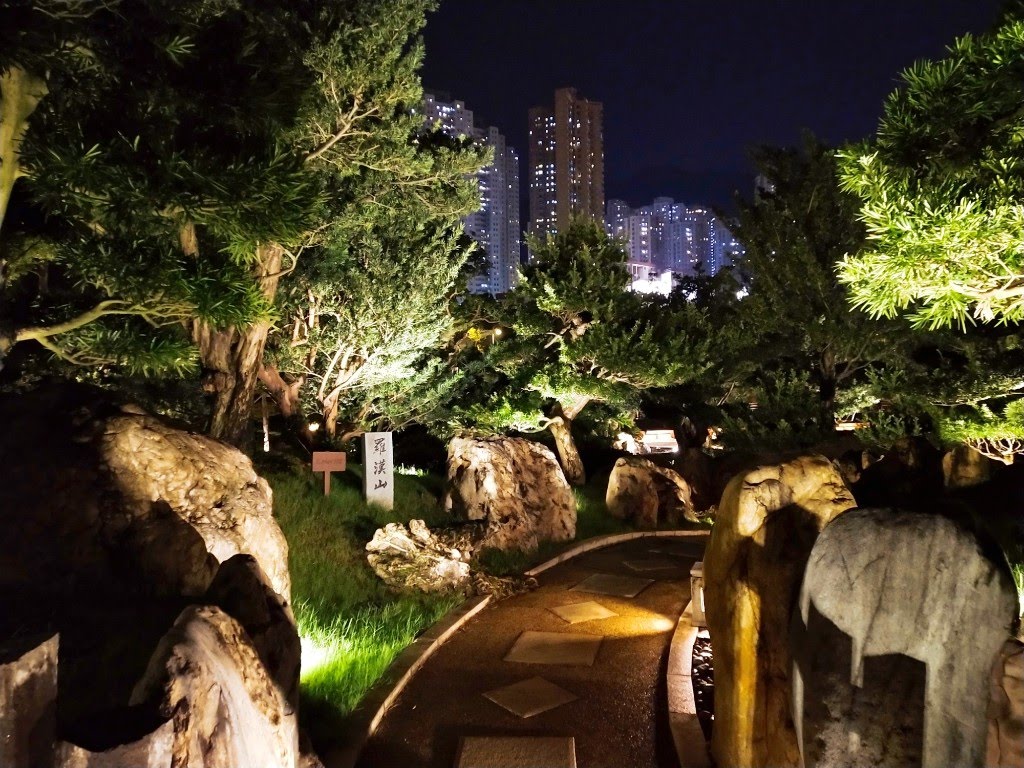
(614, 708)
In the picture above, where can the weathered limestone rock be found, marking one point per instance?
(515, 486)
(1006, 708)
(227, 711)
(415, 559)
(28, 703)
(697, 470)
(107, 499)
(924, 613)
(766, 525)
(963, 467)
(242, 590)
(644, 493)
(210, 485)
(154, 750)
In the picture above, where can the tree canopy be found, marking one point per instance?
(154, 218)
(573, 335)
(942, 187)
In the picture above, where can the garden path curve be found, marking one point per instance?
(618, 712)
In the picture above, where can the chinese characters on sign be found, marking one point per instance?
(379, 464)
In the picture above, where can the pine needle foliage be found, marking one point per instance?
(145, 186)
(575, 335)
(942, 187)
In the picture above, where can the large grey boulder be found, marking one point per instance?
(227, 710)
(901, 618)
(415, 559)
(766, 524)
(645, 494)
(28, 702)
(103, 498)
(515, 486)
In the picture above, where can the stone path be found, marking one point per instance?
(571, 674)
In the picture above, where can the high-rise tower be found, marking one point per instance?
(566, 162)
(496, 224)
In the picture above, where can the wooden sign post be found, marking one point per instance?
(327, 462)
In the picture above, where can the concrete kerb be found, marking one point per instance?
(599, 542)
(366, 718)
(687, 735)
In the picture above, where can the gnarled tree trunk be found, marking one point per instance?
(285, 393)
(568, 454)
(232, 357)
(20, 93)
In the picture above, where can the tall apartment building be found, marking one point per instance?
(495, 226)
(566, 162)
(670, 237)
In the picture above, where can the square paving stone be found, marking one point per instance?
(530, 697)
(610, 584)
(577, 612)
(555, 648)
(517, 752)
(654, 564)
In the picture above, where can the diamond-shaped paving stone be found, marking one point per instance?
(555, 648)
(577, 612)
(530, 697)
(517, 752)
(654, 564)
(616, 586)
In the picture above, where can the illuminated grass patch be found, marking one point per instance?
(351, 625)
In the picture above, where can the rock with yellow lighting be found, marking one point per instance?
(645, 494)
(1005, 743)
(767, 522)
(243, 591)
(515, 487)
(28, 701)
(964, 467)
(227, 710)
(110, 499)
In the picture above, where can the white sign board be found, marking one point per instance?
(379, 469)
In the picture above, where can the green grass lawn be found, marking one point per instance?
(352, 625)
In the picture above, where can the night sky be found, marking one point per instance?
(688, 86)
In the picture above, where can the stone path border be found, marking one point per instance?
(364, 719)
(599, 542)
(682, 708)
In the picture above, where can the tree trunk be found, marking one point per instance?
(565, 445)
(284, 393)
(232, 358)
(20, 93)
(827, 389)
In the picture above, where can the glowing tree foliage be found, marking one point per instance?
(367, 308)
(575, 337)
(151, 211)
(942, 187)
